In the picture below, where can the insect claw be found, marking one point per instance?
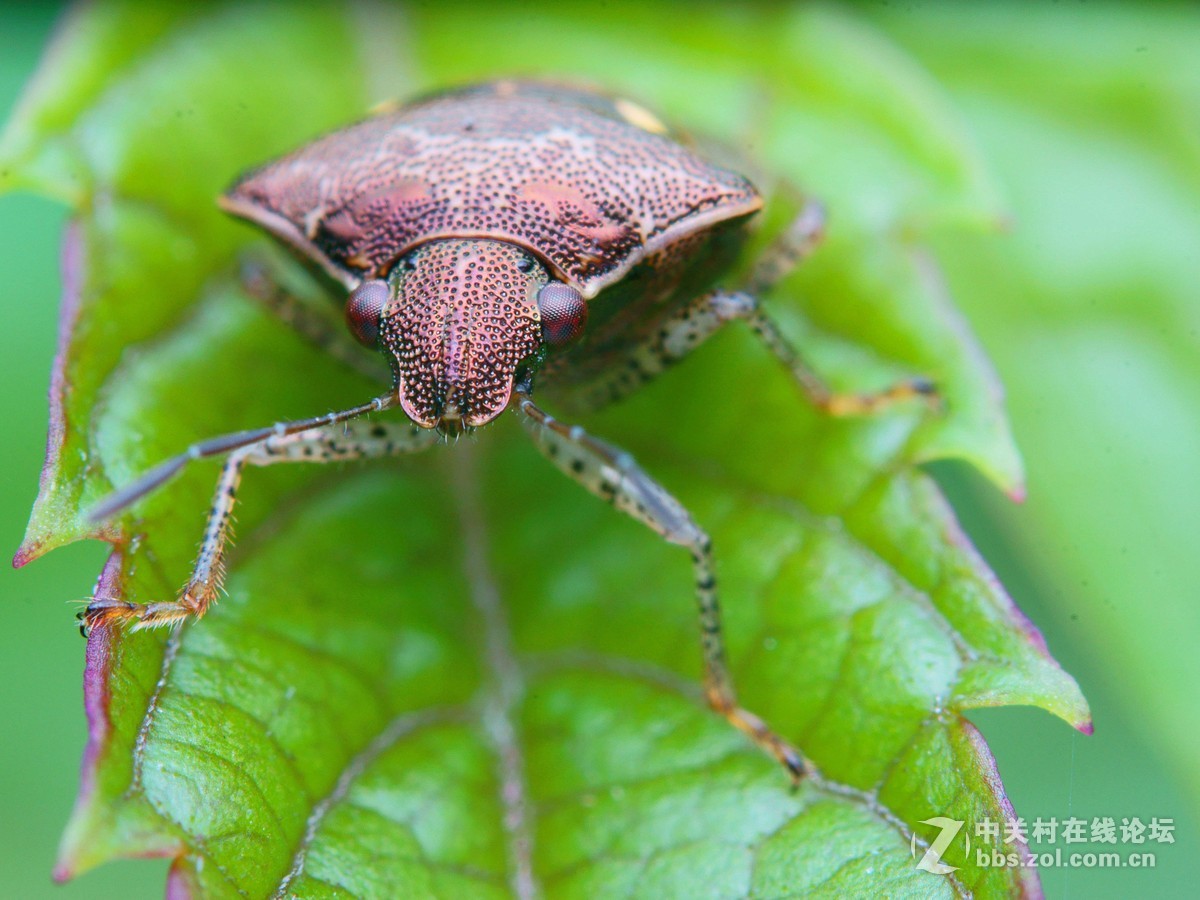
(797, 766)
(927, 390)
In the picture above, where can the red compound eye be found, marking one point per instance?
(564, 313)
(364, 307)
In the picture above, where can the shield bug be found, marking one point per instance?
(492, 240)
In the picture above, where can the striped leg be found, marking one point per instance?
(691, 325)
(613, 475)
(355, 440)
(791, 248)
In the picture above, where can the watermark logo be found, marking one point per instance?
(1011, 843)
(931, 860)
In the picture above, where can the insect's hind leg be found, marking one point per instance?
(356, 440)
(612, 475)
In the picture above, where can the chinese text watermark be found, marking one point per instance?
(1044, 842)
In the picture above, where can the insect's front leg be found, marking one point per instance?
(315, 326)
(614, 476)
(355, 440)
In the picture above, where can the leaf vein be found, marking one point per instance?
(399, 727)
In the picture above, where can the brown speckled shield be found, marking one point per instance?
(587, 183)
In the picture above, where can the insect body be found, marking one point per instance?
(493, 240)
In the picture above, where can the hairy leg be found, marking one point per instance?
(356, 440)
(614, 476)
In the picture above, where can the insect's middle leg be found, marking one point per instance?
(612, 475)
(355, 440)
(691, 325)
(687, 328)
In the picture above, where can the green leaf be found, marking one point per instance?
(460, 675)
(1091, 311)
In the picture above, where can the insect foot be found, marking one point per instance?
(865, 404)
(109, 611)
(749, 724)
(333, 438)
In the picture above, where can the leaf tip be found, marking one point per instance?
(62, 872)
(26, 553)
(1004, 468)
(179, 882)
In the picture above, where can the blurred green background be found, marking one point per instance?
(1090, 116)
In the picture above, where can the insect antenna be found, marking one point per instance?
(168, 469)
